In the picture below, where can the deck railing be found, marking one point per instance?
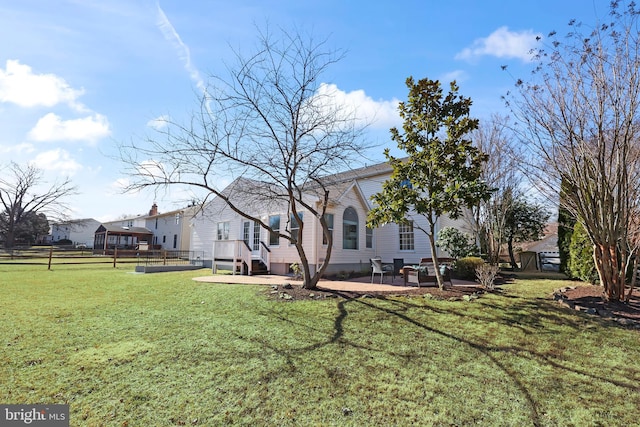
(170, 257)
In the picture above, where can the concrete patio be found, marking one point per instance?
(359, 284)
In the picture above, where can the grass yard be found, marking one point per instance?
(124, 349)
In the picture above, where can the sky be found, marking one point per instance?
(80, 77)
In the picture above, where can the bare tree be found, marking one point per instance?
(580, 113)
(270, 122)
(24, 193)
(501, 173)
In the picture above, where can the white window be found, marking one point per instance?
(256, 235)
(223, 230)
(406, 236)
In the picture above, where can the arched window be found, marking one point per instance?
(350, 229)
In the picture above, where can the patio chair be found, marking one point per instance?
(421, 274)
(378, 268)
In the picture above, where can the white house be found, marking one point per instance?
(231, 241)
(168, 230)
(171, 230)
(78, 231)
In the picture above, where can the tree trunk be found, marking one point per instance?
(434, 257)
(308, 281)
(512, 257)
(9, 238)
(633, 279)
(612, 276)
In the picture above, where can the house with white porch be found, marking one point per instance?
(231, 241)
(156, 230)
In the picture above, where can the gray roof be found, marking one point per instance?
(112, 229)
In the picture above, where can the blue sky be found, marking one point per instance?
(79, 76)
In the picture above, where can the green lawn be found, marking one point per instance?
(124, 349)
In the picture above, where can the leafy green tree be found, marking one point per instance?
(31, 226)
(455, 242)
(525, 222)
(580, 264)
(441, 174)
(566, 222)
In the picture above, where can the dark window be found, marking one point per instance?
(295, 226)
(350, 229)
(274, 223)
(329, 219)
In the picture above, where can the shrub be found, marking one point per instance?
(456, 243)
(486, 274)
(297, 271)
(581, 265)
(465, 268)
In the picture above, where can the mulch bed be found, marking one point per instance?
(297, 293)
(586, 298)
(590, 298)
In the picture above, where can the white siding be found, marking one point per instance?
(78, 231)
(165, 225)
(385, 239)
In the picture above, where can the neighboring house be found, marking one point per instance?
(169, 230)
(228, 240)
(541, 254)
(79, 231)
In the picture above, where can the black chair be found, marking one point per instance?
(398, 264)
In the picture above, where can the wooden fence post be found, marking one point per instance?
(115, 255)
(50, 256)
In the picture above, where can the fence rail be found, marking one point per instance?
(66, 256)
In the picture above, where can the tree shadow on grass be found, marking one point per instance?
(530, 316)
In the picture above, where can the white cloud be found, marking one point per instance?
(23, 147)
(502, 43)
(58, 160)
(20, 86)
(119, 187)
(152, 170)
(457, 75)
(159, 123)
(378, 114)
(52, 128)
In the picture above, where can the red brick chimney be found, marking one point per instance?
(154, 210)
